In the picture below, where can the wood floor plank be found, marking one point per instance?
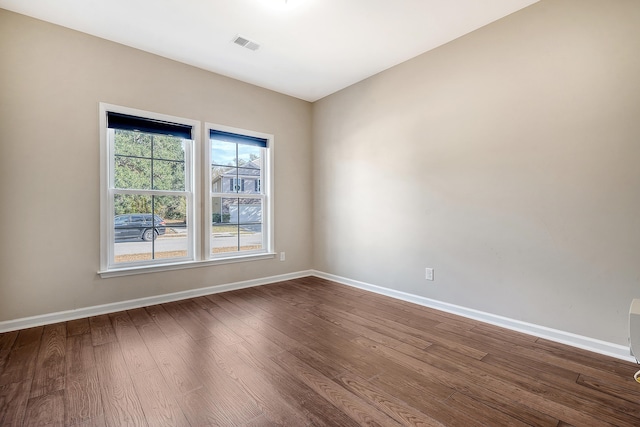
(417, 327)
(569, 393)
(157, 400)
(79, 354)
(239, 326)
(82, 398)
(78, 327)
(139, 316)
(449, 374)
(93, 422)
(343, 352)
(395, 408)
(234, 309)
(560, 375)
(49, 373)
(135, 352)
(120, 402)
(363, 327)
(226, 379)
(165, 322)
(626, 390)
(259, 301)
(6, 343)
(424, 394)
(423, 316)
(479, 412)
(45, 410)
(554, 401)
(245, 301)
(187, 320)
(177, 372)
(21, 361)
(289, 293)
(219, 401)
(513, 337)
(260, 421)
(428, 332)
(218, 330)
(101, 330)
(586, 358)
(313, 407)
(13, 402)
(276, 393)
(201, 409)
(318, 361)
(341, 398)
(534, 352)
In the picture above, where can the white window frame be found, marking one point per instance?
(197, 164)
(266, 194)
(108, 190)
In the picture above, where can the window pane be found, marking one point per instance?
(224, 238)
(224, 228)
(237, 195)
(132, 173)
(130, 203)
(149, 227)
(251, 237)
(236, 225)
(249, 212)
(173, 243)
(223, 153)
(249, 156)
(168, 175)
(249, 180)
(168, 147)
(224, 179)
(130, 143)
(130, 228)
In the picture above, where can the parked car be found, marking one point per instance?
(138, 226)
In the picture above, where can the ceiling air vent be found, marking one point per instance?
(244, 42)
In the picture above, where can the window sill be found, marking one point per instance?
(129, 271)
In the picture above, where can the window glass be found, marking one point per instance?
(237, 196)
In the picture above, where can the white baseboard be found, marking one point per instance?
(63, 316)
(579, 341)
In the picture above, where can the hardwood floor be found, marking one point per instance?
(303, 352)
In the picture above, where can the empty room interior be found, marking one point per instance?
(306, 212)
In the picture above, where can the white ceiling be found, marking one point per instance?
(309, 48)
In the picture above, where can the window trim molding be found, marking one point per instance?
(133, 270)
(268, 173)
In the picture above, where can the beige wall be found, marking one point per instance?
(508, 160)
(51, 81)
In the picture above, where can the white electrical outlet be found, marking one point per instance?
(429, 273)
(282, 256)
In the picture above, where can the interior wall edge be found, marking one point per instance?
(579, 341)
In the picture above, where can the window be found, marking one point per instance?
(148, 210)
(239, 210)
(153, 168)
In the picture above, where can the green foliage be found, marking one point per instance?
(145, 161)
(220, 218)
